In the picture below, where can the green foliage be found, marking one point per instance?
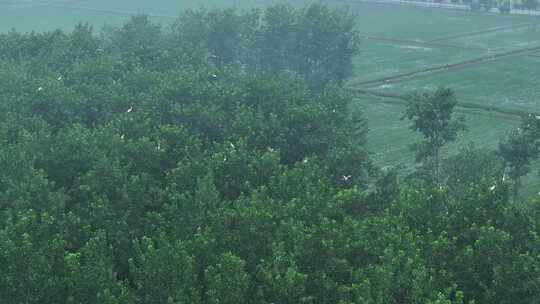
(316, 43)
(92, 278)
(328, 40)
(520, 148)
(227, 280)
(130, 174)
(468, 167)
(431, 115)
(279, 279)
(163, 272)
(138, 40)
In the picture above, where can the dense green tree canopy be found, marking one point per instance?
(205, 163)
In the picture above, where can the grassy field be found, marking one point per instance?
(106, 12)
(427, 38)
(511, 83)
(423, 24)
(390, 138)
(381, 59)
(507, 39)
(507, 83)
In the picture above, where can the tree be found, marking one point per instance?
(224, 37)
(469, 167)
(531, 5)
(227, 280)
(277, 38)
(431, 114)
(281, 281)
(520, 148)
(327, 41)
(91, 275)
(163, 272)
(316, 43)
(139, 39)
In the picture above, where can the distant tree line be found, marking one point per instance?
(221, 161)
(316, 43)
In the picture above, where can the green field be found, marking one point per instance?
(390, 139)
(106, 12)
(423, 24)
(508, 83)
(511, 83)
(380, 59)
(507, 39)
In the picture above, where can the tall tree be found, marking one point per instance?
(520, 148)
(328, 40)
(431, 114)
(138, 39)
(468, 167)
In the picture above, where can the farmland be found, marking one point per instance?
(47, 15)
(425, 38)
(397, 40)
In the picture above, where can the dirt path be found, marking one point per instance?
(426, 44)
(30, 3)
(482, 32)
(401, 99)
(449, 6)
(451, 66)
(108, 11)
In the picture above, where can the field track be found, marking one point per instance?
(426, 44)
(401, 99)
(482, 32)
(19, 3)
(108, 11)
(445, 67)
